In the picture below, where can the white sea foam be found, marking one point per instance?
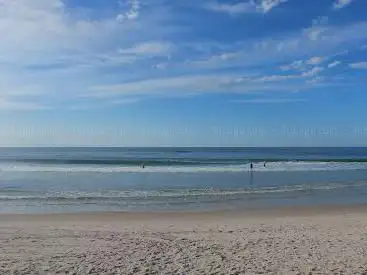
(186, 193)
(286, 166)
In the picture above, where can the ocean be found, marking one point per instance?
(63, 180)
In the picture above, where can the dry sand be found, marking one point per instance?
(323, 240)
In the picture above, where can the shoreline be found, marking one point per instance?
(263, 212)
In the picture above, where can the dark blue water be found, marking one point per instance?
(177, 156)
(171, 179)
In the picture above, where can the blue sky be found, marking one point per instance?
(183, 72)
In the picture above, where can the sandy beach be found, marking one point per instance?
(313, 240)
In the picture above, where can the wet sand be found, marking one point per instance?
(296, 240)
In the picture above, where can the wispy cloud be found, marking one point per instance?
(6, 105)
(193, 84)
(268, 5)
(313, 72)
(251, 6)
(57, 35)
(152, 50)
(216, 59)
(358, 65)
(318, 28)
(188, 84)
(160, 66)
(149, 49)
(104, 104)
(69, 46)
(50, 27)
(269, 100)
(233, 9)
(295, 65)
(331, 43)
(339, 4)
(276, 78)
(334, 64)
(131, 14)
(123, 101)
(302, 65)
(316, 60)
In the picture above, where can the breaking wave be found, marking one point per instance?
(278, 166)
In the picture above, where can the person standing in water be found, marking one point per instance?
(251, 174)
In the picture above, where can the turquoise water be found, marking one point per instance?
(40, 180)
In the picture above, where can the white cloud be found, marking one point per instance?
(333, 64)
(319, 27)
(233, 9)
(216, 59)
(275, 78)
(315, 33)
(161, 66)
(302, 65)
(78, 52)
(160, 86)
(149, 49)
(227, 56)
(316, 60)
(55, 34)
(50, 43)
(339, 4)
(6, 104)
(190, 85)
(358, 65)
(295, 65)
(251, 6)
(294, 46)
(269, 100)
(123, 101)
(246, 55)
(104, 104)
(46, 34)
(45, 26)
(268, 5)
(187, 85)
(313, 72)
(132, 14)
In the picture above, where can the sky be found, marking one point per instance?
(183, 73)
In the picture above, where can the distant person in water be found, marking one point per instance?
(143, 165)
(264, 164)
(251, 166)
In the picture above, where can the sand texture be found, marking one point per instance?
(264, 242)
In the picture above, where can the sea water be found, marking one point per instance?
(48, 180)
